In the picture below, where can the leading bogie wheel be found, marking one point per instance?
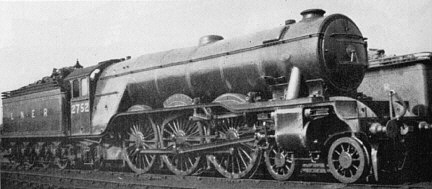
(180, 132)
(347, 160)
(280, 163)
(141, 135)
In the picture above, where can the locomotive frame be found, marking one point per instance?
(285, 96)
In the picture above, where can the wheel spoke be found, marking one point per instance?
(190, 126)
(150, 135)
(195, 133)
(176, 126)
(190, 161)
(232, 164)
(246, 154)
(355, 167)
(171, 129)
(242, 159)
(337, 152)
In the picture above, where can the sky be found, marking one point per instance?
(36, 37)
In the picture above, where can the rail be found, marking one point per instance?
(53, 178)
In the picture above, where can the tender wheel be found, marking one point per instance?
(45, 157)
(17, 155)
(280, 163)
(142, 135)
(61, 159)
(29, 157)
(13, 158)
(241, 160)
(346, 160)
(180, 132)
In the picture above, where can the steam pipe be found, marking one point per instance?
(294, 84)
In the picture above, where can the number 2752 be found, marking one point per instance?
(80, 108)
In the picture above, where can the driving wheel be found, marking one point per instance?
(181, 132)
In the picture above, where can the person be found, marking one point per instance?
(55, 73)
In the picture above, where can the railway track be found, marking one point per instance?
(83, 179)
(52, 178)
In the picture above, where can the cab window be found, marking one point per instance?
(84, 87)
(75, 88)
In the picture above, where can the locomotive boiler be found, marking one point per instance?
(285, 96)
(330, 49)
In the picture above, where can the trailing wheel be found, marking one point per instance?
(181, 132)
(241, 160)
(347, 160)
(141, 135)
(280, 163)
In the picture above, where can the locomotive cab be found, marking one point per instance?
(82, 93)
(80, 101)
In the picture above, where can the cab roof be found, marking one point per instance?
(78, 73)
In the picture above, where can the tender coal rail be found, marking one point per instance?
(54, 178)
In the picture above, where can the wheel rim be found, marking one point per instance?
(180, 132)
(142, 135)
(280, 163)
(244, 158)
(346, 160)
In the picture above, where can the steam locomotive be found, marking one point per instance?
(285, 96)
